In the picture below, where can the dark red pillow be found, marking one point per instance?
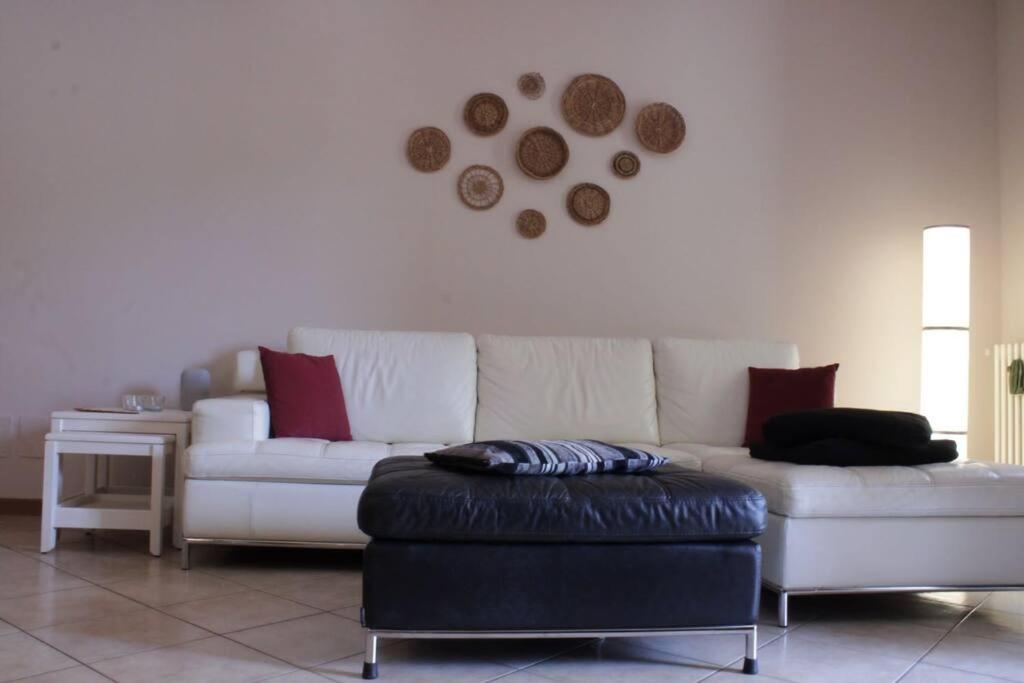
(774, 391)
(305, 396)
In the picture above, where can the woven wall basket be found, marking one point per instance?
(542, 153)
(660, 127)
(485, 113)
(480, 187)
(531, 223)
(531, 85)
(588, 204)
(593, 105)
(625, 164)
(428, 149)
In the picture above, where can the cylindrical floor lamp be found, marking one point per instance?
(945, 332)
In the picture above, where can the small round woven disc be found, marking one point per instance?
(485, 113)
(660, 127)
(531, 223)
(588, 204)
(625, 164)
(593, 105)
(531, 85)
(480, 187)
(428, 149)
(542, 152)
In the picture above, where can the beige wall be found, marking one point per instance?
(1011, 162)
(182, 179)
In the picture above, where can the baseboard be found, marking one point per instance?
(21, 506)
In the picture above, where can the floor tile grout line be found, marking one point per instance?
(88, 665)
(761, 644)
(66, 654)
(566, 651)
(967, 671)
(55, 671)
(208, 637)
(282, 621)
(970, 611)
(212, 634)
(209, 632)
(76, 665)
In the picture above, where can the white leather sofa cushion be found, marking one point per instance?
(566, 388)
(703, 386)
(234, 418)
(401, 386)
(968, 489)
(271, 511)
(294, 460)
(703, 451)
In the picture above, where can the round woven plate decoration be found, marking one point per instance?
(593, 105)
(428, 149)
(531, 223)
(625, 164)
(588, 204)
(660, 127)
(531, 85)
(542, 153)
(480, 187)
(485, 113)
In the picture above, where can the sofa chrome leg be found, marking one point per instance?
(783, 609)
(184, 555)
(370, 660)
(750, 661)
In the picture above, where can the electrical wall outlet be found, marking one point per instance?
(6, 436)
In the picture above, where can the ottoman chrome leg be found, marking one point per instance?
(750, 661)
(783, 609)
(370, 660)
(184, 555)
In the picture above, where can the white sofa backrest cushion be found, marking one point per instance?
(401, 386)
(703, 386)
(566, 388)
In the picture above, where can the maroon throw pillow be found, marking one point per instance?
(305, 396)
(774, 391)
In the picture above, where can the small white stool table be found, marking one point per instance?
(95, 509)
(177, 423)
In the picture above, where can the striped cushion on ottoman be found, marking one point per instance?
(559, 458)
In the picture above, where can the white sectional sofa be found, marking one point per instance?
(830, 529)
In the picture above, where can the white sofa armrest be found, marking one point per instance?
(234, 418)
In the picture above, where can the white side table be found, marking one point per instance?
(176, 423)
(105, 510)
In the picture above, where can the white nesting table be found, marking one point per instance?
(175, 423)
(95, 509)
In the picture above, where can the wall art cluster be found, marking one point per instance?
(592, 105)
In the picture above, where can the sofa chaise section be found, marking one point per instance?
(843, 529)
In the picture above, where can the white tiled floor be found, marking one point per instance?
(100, 608)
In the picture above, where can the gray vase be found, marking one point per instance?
(195, 385)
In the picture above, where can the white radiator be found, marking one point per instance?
(1009, 408)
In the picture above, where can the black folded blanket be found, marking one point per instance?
(849, 437)
(885, 427)
(841, 452)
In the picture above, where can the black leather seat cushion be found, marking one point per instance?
(409, 498)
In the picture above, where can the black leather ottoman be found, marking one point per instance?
(465, 555)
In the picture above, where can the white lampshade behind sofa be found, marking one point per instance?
(945, 335)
